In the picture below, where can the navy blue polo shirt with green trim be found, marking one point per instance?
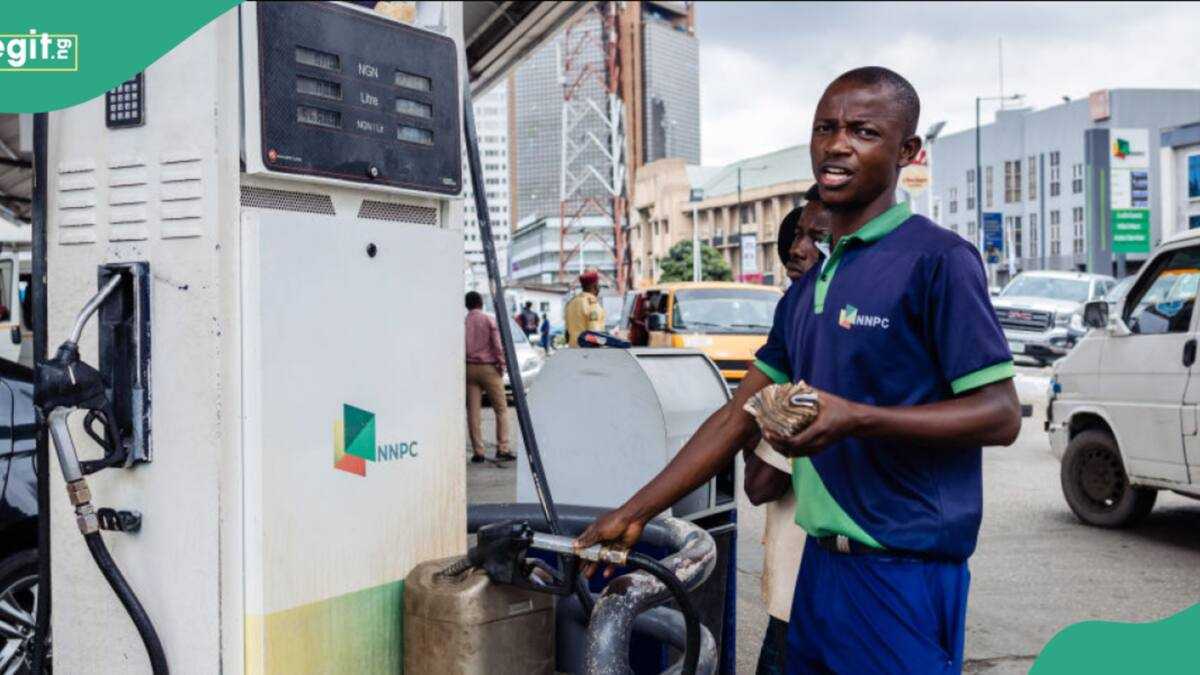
(898, 315)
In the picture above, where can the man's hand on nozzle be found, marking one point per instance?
(615, 528)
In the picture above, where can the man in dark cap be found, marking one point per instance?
(584, 312)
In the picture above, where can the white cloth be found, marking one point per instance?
(783, 542)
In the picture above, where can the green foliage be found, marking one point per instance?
(677, 265)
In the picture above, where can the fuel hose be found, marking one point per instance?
(496, 287)
(141, 620)
(691, 619)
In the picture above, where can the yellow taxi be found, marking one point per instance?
(727, 321)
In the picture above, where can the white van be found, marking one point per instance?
(1124, 405)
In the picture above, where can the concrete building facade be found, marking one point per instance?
(662, 213)
(491, 125)
(537, 242)
(1179, 162)
(1034, 173)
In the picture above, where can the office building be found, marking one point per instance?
(660, 63)
(491, 126)
(1037, 174)
(537, 242)
(661, 215)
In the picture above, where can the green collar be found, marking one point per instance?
(874, 230)
(877, 227)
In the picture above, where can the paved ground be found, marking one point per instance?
(1037, 569)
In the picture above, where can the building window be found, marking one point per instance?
(1012, 181)
(1193, 222)
(953, 200)
(1013, 223)
(972, 232)
(1055, 238)
(1055, 186)
(747, 213)
(1032, 178)
(987, 186)
(1076, 179)
(970, 189)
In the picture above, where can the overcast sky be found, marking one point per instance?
(763, 65)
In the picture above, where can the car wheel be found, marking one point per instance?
(1095, 485)
(18, 612)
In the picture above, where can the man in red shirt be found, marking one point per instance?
(485, 372)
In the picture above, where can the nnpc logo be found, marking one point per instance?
(354, 442)
(849, 317)
(39, 52)
(1122, 148)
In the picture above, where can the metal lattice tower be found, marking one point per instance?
(592, 180)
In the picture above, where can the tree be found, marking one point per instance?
(677, 265)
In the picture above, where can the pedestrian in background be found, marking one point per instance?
(584, 312)
(528, 320)
(545, 329)
(485, 373)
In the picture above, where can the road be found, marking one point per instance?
(1036, 569)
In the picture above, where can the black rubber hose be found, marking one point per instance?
(141, 620)
(496, 286)
(691, 655)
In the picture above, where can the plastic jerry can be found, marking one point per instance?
(466, 624)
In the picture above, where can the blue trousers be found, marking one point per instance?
(864, 614)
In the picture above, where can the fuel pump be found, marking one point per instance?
(283, 354)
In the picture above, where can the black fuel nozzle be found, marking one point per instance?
(500, 551)
(64, 382)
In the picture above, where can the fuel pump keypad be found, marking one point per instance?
(123, 105)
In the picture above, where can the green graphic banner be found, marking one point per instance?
(1103, 647)
(56, 54)
(1131, 230)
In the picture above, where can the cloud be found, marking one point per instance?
(764, 65)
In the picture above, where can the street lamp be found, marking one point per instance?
(979, 174)
(741, 271)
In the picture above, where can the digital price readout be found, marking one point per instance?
(348, 94)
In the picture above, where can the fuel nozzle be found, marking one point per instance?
(66, 383)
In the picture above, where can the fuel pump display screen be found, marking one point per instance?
(350, 95)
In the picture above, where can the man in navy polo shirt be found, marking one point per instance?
(896, 332)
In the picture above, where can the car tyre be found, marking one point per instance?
(18, 590)
(1095, 485)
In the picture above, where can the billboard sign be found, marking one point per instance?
(1129, 189)
(993, 236)
(749, 246)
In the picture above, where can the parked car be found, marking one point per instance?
(727, 321)
(528, 356)
(1124, 411)
(18, 518)
(1042, 312)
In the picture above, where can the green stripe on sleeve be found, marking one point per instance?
(817, 511)
(988, 375)
(777, 376)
